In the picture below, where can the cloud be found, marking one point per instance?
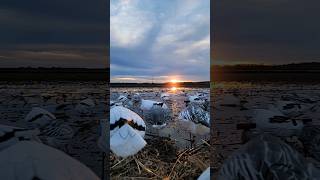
(53, 33)
(54, 55)
(268, 31)
(128, 24)
(160, 38)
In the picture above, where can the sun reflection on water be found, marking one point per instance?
(173, 89)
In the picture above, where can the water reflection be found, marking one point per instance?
(173, 89)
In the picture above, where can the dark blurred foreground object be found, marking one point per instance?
(267, 157)
(310, 138)
(29, 160)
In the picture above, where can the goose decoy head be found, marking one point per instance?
(187, 102)
(136, 98)
(129, 96)
(122, 98)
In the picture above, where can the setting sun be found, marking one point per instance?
(174, 81)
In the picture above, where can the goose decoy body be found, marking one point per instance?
(195, 119)
(114, 104)
(85, 107)
(157, 116)
(267, 157)
(31, 160)
(196, 99)
(205, 175)
(52, 131)
(39, 117)
(122, 98)
(127, 130)
(146, 104)
(165, 96)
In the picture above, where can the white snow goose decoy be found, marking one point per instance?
(195, 99)
(200, 101)
(127, 130)
(165, 96)
(205, 175)
(114, 104)
(124, 101)
(122, 98)
(146, 104)
(31, 160)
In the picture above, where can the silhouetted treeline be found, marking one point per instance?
(294, 67)
(299, 72)
(79, 74)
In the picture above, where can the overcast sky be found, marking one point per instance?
(266, 31)
(171, 36)
(60, 33)
(159, 40)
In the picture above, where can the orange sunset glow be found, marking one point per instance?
(174, 81)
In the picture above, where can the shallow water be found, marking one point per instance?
(18, 98)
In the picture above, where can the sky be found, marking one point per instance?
(265, 31)
(54, 33)
(157, 41)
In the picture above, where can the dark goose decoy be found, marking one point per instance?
(156, 113)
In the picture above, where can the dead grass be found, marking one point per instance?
(160, 159)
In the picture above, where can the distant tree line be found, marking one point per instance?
(28, 73)
(300, 67)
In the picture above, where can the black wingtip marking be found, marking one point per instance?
(36, 117)
(121, 122)
(158, 104)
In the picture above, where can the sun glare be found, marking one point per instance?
(174, 81)
(173, 88)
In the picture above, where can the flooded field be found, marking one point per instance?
(238, 105)
(61, 98)
(175, 102)
(172, 151)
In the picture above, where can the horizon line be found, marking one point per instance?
(180, 82)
